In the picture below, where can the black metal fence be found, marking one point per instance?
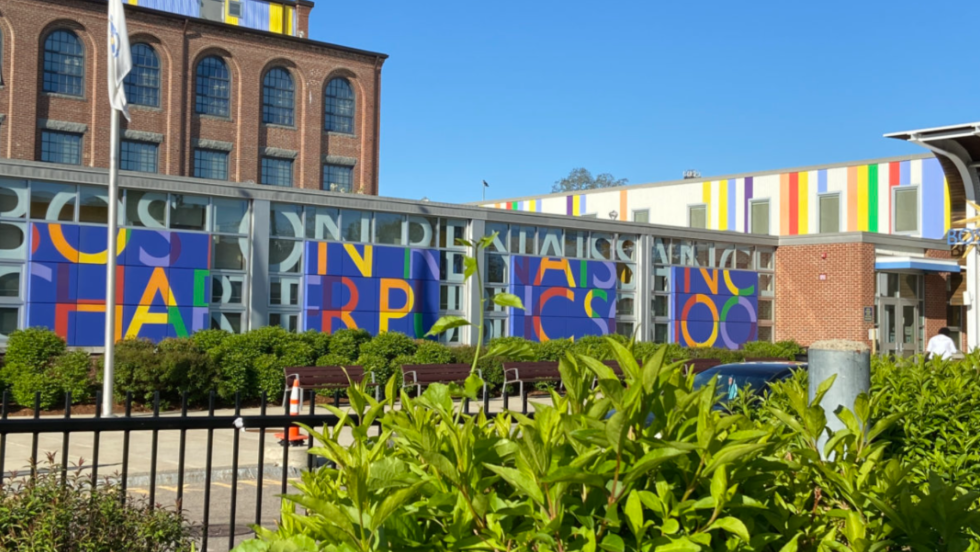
(154, 423)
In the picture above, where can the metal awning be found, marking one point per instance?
(916, 264)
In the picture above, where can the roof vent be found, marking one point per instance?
(691, 173)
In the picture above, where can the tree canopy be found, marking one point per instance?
(582, 179)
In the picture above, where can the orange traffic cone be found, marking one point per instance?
(293, 438)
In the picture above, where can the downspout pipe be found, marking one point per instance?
(377, 123)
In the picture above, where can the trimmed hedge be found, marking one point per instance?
(253, 363)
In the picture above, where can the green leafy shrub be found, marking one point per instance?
(431, 352)
(781, 349)
(491, 367)
(388, 345)
(28, 357)
(554, 349)
(27, 385)
(73, 373)
(593, 346)
(347, 343)
(210, 341)
(185, 367)
(377, 365)
(318, 341)
(42, 515)
(643, 350)
(270, 376)
(332, 359)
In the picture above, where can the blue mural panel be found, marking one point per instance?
(713, 308)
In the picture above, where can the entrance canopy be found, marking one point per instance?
(916, 264)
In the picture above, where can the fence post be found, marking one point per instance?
(850, 361)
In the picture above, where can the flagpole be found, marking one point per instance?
(110, 267)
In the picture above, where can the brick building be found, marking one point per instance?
(208, 99)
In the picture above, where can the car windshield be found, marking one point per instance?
(734, 380)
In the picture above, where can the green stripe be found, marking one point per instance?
(418, 326)
(583, 279)
(200, 285)
(872, 198)
(408, 263)
(177, 321)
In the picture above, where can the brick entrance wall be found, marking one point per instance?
(809, 308)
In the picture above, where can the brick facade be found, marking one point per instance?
(180, 43)
(809, 308)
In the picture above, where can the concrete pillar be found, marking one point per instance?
(850, 361)
(258, 267)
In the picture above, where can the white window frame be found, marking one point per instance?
(635, 211)
(707, 214)
(918, 210)
(840, 210)
(753, 203)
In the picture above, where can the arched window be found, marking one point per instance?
(213, 87)
(64, 63)
(339, 107)
(277, 97)
(143, 81)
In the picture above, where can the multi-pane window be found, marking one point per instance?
(829, 206)
(213, 88)
(277, 172)
(229, 263)
(286, 232)
(697, 216)
(338, 178)
(759, 216)
(143, 81)
(277, 97)
(211, 164)
(61, 147)
(906, 209)
(64, 64)
(339, 109)
(138, 156)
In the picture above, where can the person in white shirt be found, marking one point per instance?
(941, 345)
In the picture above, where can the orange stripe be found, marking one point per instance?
(784, 204)
(623, 214)
(852, 199)
(321, 254)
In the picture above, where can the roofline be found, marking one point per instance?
(905, 135)
(225, 26)
(721, 177)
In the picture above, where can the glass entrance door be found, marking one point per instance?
(898, 326)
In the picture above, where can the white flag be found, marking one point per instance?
(120, 59)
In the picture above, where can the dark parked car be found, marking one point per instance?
(734, 378)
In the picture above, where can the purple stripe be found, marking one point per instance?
(748, 196)
(904, 172)
(568, 205)
(732, 222)
(581, 204)
(822, 181)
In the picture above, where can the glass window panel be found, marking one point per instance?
(760, 217)
(906, 209)
(13, 240)
(355, 225)
(500, 243)
(626, 247)
(497, 266)
(284, 291)
(488, 293)
(146, 209)
(227, 289)
(451, 230)
(388, 228)
(661, 279)
(138, 156)
(338, 178)
(765, 258)
(213, 87)
(451, 298)
(277, 172)
(284, 320)
(624, 328)
(287, 220)
(142, 84)
(8, 321)
(422, 231)
(450, 266)
(660, 333)
(697, 216)
(551, 242)
(285, 256)
(829, 214)
(61, 147)
(228, 253)
(765, 333)
(908, 286)
(93, 205)
(726, 255)
(230, 216)
(13, 198)
(660, 303)
(641, 216)
(601, 245)
(496, 327)
(10, 281)
(624, 276)
(575, 243)
(339, 107)
(765, 310)
(766, 284)
(743, 258)
(661, 251)
(624, 305)
(54, 202)
(277, 97)
(188, 212)
(212, 164)
(64, 63)
(522, 240)
(227, 321)
(322, 223)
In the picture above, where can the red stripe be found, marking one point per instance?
(894, 176)
(687, 280)
(794, 203)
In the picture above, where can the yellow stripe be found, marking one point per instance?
(862, 206)
(946, 211)
(722, 205)
(706, 199)
(228, 18)
(533, 206)
(576, 205)
(133, 3)
(290, 14)
(275, 18)
(802, 219)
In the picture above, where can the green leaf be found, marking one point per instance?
(790, 546)
(862, 408)
(682, 544)
(519, 481)
(854, 528)
(508, 300)
(392, 503)
(616, 430)
(883, 425)
(670, 526)
(822, 390)
(461, 241)
(719, 487)
(732, 525)
(472, 385)
(442, 465)
(331, 513)
(447, 323)
(731, 453)
(650, 461)
(573, 474)
(633, 508)
(469, 267)
(613, 543)
(487, 240)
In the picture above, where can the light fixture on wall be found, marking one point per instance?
(613, 215)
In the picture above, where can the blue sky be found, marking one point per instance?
(519, 93)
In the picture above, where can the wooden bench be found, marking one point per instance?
(538, 372)
(423, 375)
(698, 365)
(326, 377)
